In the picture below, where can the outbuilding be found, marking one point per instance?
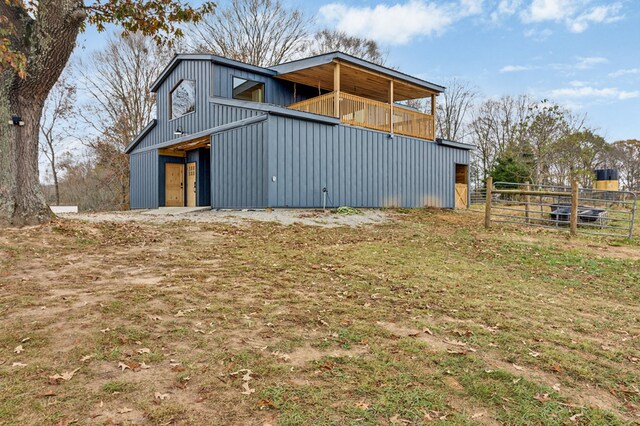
(327, 129)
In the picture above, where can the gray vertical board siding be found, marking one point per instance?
(144, 180)
(238, 167)
(359, 167)
(197, 121)
(224, 114)
(277, 92)
(213, 80)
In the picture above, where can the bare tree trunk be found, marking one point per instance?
(47, 44)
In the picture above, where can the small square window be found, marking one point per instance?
(182, 99)
(248, 90)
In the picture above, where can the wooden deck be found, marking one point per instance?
(371, 114)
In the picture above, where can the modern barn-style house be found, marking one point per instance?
(323, 129)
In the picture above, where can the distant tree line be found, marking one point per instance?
(521, 139)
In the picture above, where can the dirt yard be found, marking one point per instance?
(290, 318)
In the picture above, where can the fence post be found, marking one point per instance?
(574, 207)
(527, 200)
(487, 206)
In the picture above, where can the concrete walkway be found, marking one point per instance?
(172, 211)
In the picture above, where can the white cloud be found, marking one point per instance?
(401, 22)
(577, 15)
(622, 73)
(514, 68)
(549, 10)
(590, 62)
(538, 35)
(591, 92)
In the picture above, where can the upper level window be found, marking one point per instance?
(182, 99)
(248, 90)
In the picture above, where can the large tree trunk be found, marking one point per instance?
(47, 42)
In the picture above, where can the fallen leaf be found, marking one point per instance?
(247, 389)
(66, 376)
(575, 417)
(161, 396)
(556, 387)
(123, 366)
(534, 354)
(26, 339)
(124, 410)
(362, 405)
(517, 367)
(478, 415)
(18, 349)
(144, 366)
(281, 356)
(104, 330)
(542, 397)
(429, 332)
(86, 358)
(144, 351)
(18, 364)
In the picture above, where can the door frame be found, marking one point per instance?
(195, 184)
(458, 180)
(166, 176)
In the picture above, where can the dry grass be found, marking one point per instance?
(425, 318)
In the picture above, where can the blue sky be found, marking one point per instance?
(582, 54)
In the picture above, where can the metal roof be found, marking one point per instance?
(326, 58)
(293, 66)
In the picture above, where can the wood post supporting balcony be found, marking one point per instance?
(336, 88)
(391, 103)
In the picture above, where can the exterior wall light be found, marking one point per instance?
(178, 131)
(16, 120)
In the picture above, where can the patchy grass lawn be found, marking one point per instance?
(425, 318)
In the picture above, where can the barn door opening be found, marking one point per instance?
(174, 185)
(462, 186)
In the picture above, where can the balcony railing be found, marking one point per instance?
(363, 112)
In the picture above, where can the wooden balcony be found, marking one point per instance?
(371, 114)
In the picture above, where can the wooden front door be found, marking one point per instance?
(462, 187)
(174, 185)
(191, 184)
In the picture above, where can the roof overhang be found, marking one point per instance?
(206, 57)
(357, 76)
(454, 144)
(144, 132)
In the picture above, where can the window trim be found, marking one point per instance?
(195, 95)
(264, 89)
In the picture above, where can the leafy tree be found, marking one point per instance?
(36, 41)
(327, 41)
(625, 156)
(577, 155)
(258, 32)
(544, 125)
(510, 168)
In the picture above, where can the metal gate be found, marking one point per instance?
(578, 210)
